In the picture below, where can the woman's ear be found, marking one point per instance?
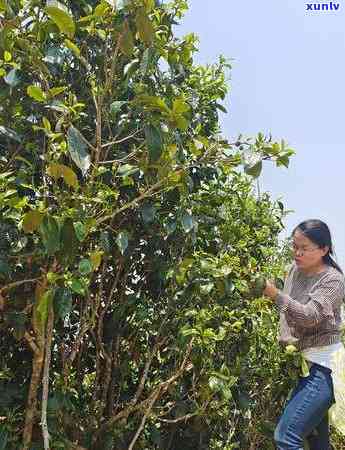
(325, 250)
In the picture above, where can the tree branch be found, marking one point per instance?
(18, 283)
(133, 202)
(140, 429)
(45, 380)
(108, 144)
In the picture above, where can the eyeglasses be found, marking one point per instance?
(303, 250)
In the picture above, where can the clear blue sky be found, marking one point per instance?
(288, 78)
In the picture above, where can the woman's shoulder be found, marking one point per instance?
(333, 274)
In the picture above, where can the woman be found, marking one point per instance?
(310, 319)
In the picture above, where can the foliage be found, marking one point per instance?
(129, 238)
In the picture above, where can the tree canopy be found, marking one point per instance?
(131, 235)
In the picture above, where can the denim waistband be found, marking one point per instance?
(317, 366)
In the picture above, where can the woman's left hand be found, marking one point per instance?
(270, 290)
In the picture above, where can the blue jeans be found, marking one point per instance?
(305, 415)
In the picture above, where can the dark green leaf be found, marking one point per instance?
(78, 286)
(187, 222)
(115, 107)
(10, 134)
(80, 231)
(221, 108)
(85, 266)
(105, 241)
(254, 170)
(77, 149)
(50, 233)
(148, 213)
(62, 302)
(69, 243)
(283, 161)
(154, 141)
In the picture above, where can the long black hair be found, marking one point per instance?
(318, 232)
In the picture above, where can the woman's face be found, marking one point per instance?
(306, 253)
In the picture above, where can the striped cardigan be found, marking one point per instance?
(310, 308)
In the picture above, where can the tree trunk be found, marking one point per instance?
(31, 407)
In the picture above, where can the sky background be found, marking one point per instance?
(287, 78)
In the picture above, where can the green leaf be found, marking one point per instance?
(101, 10)
(130, 69)
(105, 241)
(61, 17)
(215, 384)
(187, 222)
(115, 107)
(254, 170)
(153, 103)
(80, 231)
(50, 233)
(122, 241)
(148, 213)
(13, 78)
(62, 302)
(180, 106)
(57, 90)
(221, 108)
(69, 243)
(57, 171)
(36, 93)
(85, 266)
(77, 149)
(126, 170)
(96, 259)
(31, 221)
(126, 40)
(154, 141)
(7, 56)
(10, 134)
(78, 286)
(3, 8)
(283, 161)
(144, 27)
(74, 49)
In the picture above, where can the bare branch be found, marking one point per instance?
(180, 419)
(162, 387)
(108, 144)
(31, 342)
(146, 370)
(133, 202)
(18, 283)
(140, 429)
